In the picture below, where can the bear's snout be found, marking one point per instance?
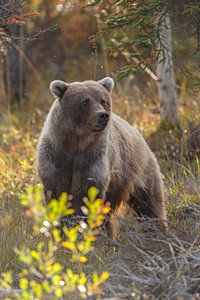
(100, 121)
(103, 118)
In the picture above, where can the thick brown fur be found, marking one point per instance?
(83, 143)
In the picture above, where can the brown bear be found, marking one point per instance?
(84, 143)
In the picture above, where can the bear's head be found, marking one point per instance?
(84, 107)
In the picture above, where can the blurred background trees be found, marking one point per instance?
(144, 41)
(153, 33)
(141, 43)
(9, 18)
(13, 70)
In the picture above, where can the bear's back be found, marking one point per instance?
(130, 151)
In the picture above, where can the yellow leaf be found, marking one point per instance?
(90, 238)
(106, 210)
(58, 292)
(104, 276)
(55, 279)
(69, 245)
(92, 193)
(34, 254)
(83, 259)
(23, 283)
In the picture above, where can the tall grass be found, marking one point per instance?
(148, 265)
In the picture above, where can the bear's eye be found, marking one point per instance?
(103, 102)
(86, 102)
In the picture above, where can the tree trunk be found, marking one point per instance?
(165, 73)
(3, 102)
(17, 70)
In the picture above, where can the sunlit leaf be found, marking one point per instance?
(83, 259)
(92, 193)
(23, 283)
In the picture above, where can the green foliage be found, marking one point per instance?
(133, 27)
(42, 275)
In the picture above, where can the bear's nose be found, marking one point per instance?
(103, 117)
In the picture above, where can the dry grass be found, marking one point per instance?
(156, 266)
(147, 265)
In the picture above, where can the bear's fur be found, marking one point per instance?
(83, 143)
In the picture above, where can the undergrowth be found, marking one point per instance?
(146, 266)
(41, 275)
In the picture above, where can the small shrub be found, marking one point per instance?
(42, 276)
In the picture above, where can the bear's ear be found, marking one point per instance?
(108, 83)
(58, 88)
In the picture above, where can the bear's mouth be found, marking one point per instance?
(98, 128)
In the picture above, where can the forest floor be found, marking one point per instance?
(146, 266)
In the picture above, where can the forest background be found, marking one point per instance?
(152, 50)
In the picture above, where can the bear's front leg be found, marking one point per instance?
(53, 187)
(80, 190)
